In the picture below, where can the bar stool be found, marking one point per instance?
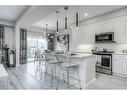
(40, 65)
(67, 66)
(36, 56)
(52, 62)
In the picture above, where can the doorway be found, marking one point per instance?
(34, 44)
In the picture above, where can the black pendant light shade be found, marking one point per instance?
(77, 20)
(66, 8)
(65, 23)
(57, 23)
(46, 29)
(57, 28)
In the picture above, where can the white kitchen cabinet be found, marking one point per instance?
(99, 28)
(124, 63)
(117, 25)
(104, 26)
(126, 27)
(108, 26)
(86, 33)
(119, 65)
(120, 29)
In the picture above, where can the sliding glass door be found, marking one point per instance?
(34, 44)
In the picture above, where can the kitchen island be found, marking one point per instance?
(86, 66)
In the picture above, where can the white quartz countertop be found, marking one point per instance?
(78, 55)
(119, 53)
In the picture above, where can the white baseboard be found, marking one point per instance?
(120, 75)
(85, 85)
(90, 82)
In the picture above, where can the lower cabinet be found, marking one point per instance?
(119, 65)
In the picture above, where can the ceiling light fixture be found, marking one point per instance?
(77, 24)
(66, 8)
(57, 23)
(46, 30)
(77, 18)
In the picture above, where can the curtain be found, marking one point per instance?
(23, 46)
(2, 42)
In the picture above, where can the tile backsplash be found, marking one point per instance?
(116, 47)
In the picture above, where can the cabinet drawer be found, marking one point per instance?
(120, 57)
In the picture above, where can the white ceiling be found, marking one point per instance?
(91, 10)
(11, 13)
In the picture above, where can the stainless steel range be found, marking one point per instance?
(104, 62)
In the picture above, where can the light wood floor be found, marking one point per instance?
(23, 77)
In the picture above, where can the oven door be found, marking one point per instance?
(106, 62)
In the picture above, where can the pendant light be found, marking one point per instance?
(66, 8)
(57, 23)
(77, 24)
(46, 29)
(77, 19)
(46, 32)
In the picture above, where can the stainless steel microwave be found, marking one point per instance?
(107, 37)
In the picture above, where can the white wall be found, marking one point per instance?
(9, 37)
(17, 44)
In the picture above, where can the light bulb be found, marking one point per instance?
(77, 27)
(51, 36)
(86, 14)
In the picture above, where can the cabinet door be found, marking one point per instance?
(108, 26)
(119, 29)
(117, 66)
(126, 26)
(120, 64)
(124, 64)
(99, 28)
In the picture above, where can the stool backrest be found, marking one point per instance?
(50, 57)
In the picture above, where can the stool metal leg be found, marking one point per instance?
(58, 79)
(55, 71)
(68, 78)
(46, 70)
(79, 79)
(51, 75)
(63, 75)
(41, 70)
(37, 69)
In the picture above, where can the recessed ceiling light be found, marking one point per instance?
(86, 14)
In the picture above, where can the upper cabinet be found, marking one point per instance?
(86, 33)
(117, 25)
(104, 26)
(99, 28)
(120, 29)
(108, 26)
